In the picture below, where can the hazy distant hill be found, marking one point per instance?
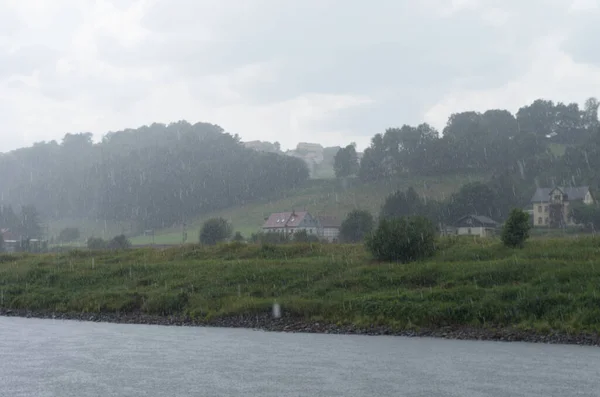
(152, 177)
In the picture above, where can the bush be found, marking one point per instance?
(516, 229)
(302, 236)
(403, 239)
(269, 238)
(214, 231)
(356, 227)
(68, 234)
(119, 243)
(238, 237)
(95, 243)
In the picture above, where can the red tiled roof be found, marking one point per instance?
(284, 219)
(296, 219)
(7, 235)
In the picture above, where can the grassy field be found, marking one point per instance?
(550, 284)
(326, 197)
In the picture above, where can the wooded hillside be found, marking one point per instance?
(154, 176)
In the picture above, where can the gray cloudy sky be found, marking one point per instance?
(328, 71)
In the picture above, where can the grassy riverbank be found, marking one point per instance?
(551, 285)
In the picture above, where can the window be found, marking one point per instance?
(539, 208)
(540, 220)
(545, 208)
(546, 220)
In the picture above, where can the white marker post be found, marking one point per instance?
(276, 310)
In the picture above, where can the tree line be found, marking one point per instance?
(495, 141)
(154, 176)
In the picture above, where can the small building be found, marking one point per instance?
(551, 206)
(476, 225)
(18, 243)
(11, 243)
(329, 228)
(288, 223)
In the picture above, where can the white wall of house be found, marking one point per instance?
(475, 231)
(291, 230)
(330, 233)
(541, 214)
(309, 230)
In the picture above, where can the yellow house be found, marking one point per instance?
(550, 206)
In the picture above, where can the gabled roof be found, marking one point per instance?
(329, 221)
(482, 219)
(542, 194)
(7, 235)
(284, 219)
(296, 218)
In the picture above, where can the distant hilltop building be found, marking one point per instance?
(263, 146)
(309, 147)
(311, 153)
(314, 155)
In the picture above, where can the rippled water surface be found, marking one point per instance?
(64, 358)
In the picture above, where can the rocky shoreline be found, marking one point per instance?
(266, 322)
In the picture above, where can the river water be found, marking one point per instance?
(68, 358)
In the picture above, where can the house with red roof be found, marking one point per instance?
(10, 240)
(289, 223)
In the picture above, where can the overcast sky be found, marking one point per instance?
(327, 71)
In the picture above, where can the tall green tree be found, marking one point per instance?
(473, 198)
(403, 240)
(409, 203)
(8, 218)
(356, 227)
(30, 222)
(375, 164)
(516, 229)
(345, 162)
(69, 234)
(214, 231)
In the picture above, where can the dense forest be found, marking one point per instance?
(495, 141)
(154, 176)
